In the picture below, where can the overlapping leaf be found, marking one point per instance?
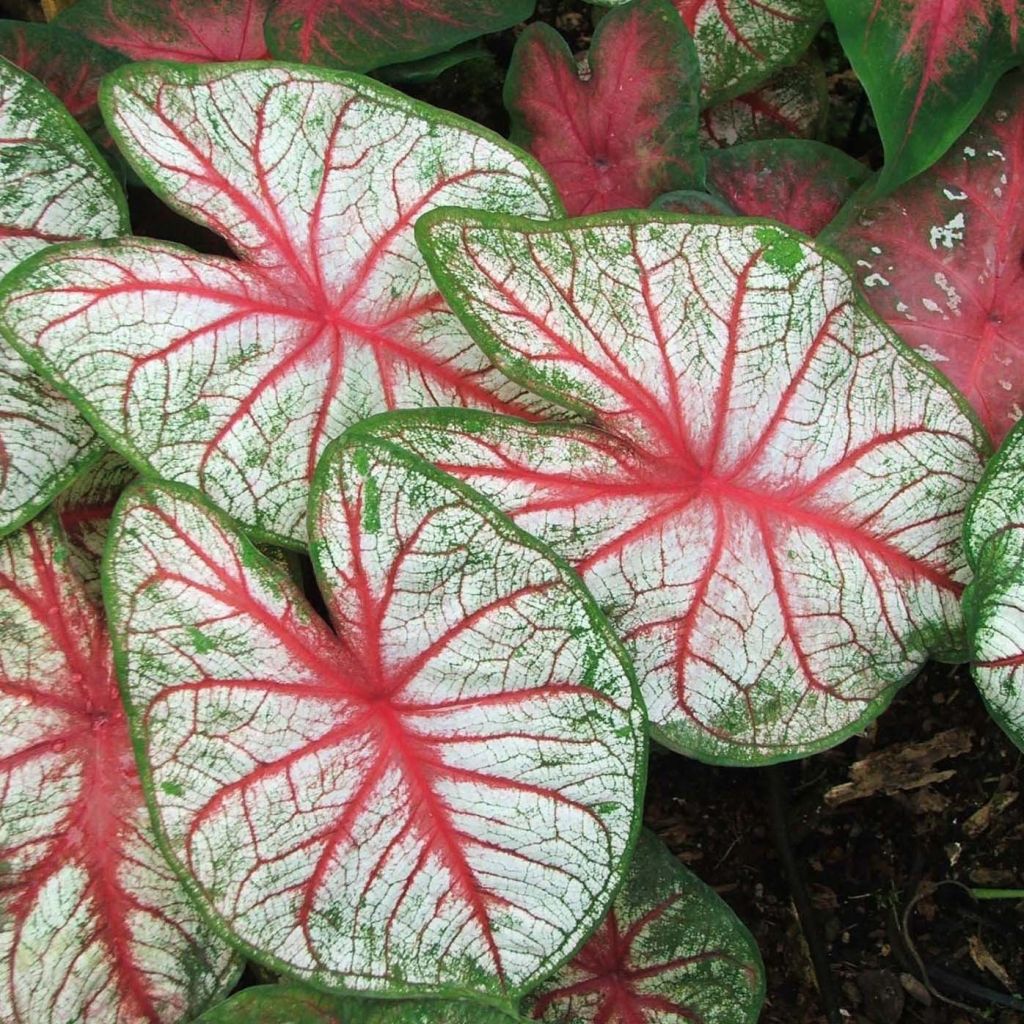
(624, 132)
(770, 511)
(55, 187)
(669, 950)
(940, 259)
(234, 375)
(183, 30)
(742, 43)
(94, 927)
(928, 67)
(440, 796)
(994, 602)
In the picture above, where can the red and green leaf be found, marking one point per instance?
(233, 375)
(94, 927)
(770, 508)
(55, 187)
(194, 31)
(994, 602)
(360, 35)
(743, 43)
(928, 67)
(801, 183)
(794, 104)
(438, 797)
(626, 130)
(669, 950)
(942, 259)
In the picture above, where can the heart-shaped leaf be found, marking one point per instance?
(941, 259)
(55, 187)
(994, 602)
(742, 43)
(669, 950)
(67, 64)
(94, 927)
(801, 183)
(627, 130)
(440, 797)
(928, 67)
(292, 1004)
(185, 30)
(770, 508)
(794, 104)
(363, 34)
(234, 375)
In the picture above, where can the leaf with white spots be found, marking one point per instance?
(627, 129)
(55, 187)
(233, 375)
(994, 602)
(770, 508)
(793, 104)
(942, 259)
(743, 43)
(928, 66)
(438, 797)
(669, 951)
(94, 926)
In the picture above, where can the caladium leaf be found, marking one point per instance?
(796, 181)
(293, 1004)
(626, 130)
(360, 35)
(184, 30)
(794, 104)
(994, 602)
(94, 927)
(55, 187)
(669, 950)
(770, 510)
(928, 67)
(440, 797)
(234, 375)
(742, 43)
(691, 201)
(69, 65)
(940, 259)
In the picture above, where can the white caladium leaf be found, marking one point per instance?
(439, 797)
(94, 927)
(742, 43)
(994, 602)
(55, 187)
(233, 375)
(770, 508)
(669, 951)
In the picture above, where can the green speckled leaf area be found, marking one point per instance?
(770, 511)
(440, 797)
(94, 926)
(292, 1004)
(670, 950)
(233, 374)
(994, 602)
(55, 187)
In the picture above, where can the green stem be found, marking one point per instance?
(997, 894)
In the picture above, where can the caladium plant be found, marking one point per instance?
(234, 374)
(940, 259)
(55, 187)
(769, 508)
(94, 927)
(669, 950)
(742, 43)
(440, 797)
(621, 130)
(994, 602)
(928, 67)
